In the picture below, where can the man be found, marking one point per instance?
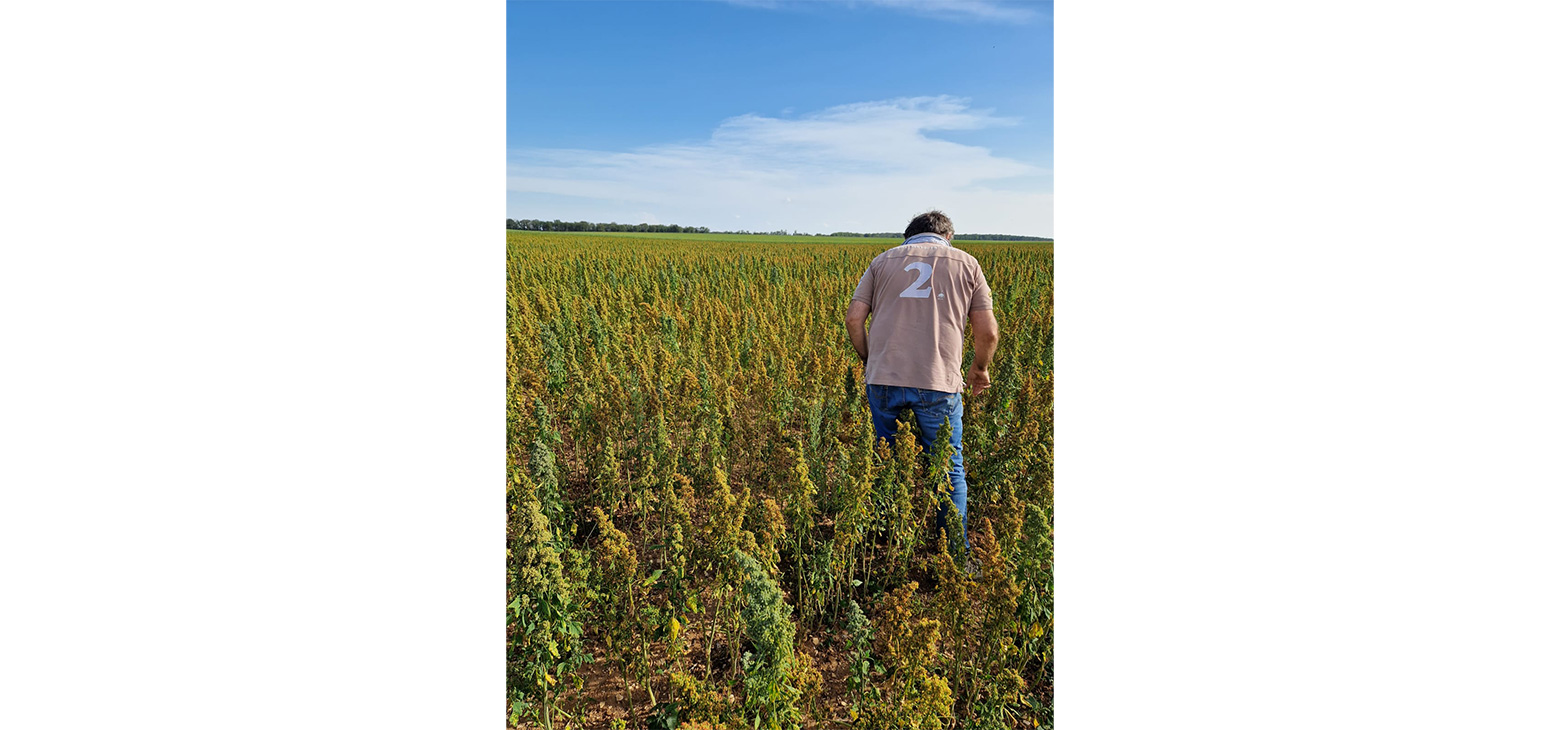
(919, 294)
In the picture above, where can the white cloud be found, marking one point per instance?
(863, 167)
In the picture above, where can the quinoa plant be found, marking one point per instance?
(856, 515)
(724, 536)
(914, 697)
(544, 467)
(1034, 603)
(619, 613)
(545, 626)
(895, 496)
(769, 669)
(859, 646)
(703, 703)
(801, 515)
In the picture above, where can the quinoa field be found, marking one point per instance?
(703, 531)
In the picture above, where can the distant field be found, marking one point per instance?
(741, 237)
(725, 237)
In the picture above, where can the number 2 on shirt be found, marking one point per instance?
(913, 291)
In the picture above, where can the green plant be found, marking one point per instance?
(545, 629)
(859, 646)
(769, 674)
(544, 467)
(823, 584)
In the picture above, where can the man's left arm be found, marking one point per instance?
(983, 335)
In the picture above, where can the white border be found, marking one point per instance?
(1305, 416)
(252, 294)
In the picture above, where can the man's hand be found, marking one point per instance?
(983, 335)
(978, 380)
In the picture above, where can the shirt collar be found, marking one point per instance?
(926, 238)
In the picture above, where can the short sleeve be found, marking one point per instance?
(981, 298)
(864, 289)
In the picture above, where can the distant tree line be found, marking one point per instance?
(557, 225)
(781, 232)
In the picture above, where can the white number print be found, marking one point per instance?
(914, 291)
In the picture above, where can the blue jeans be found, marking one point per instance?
(931, 408)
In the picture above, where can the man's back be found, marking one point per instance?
(920, 295)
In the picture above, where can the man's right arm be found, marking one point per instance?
(856, 324)
(856, 314)
(983, 337)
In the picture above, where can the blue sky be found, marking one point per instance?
(808, 115)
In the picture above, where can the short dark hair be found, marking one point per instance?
(932, 221)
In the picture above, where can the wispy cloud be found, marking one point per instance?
(863, 167)
(992, 10)
(1004, 11)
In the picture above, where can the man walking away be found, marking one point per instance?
(919, 294)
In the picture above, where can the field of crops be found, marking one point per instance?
(703, 531)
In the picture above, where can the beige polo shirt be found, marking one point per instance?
(920, 296)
